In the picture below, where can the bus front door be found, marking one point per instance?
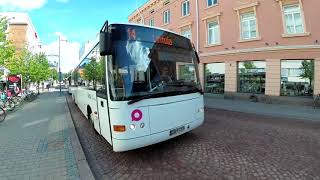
(104, 119)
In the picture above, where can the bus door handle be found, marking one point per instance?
(102, 104)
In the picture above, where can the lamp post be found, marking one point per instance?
(60, 64)
(59, 68)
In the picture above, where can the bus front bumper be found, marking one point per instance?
(120, 145)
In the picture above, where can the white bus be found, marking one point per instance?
(139, 85)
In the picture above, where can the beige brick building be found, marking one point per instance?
(269, 48)
(21, 31)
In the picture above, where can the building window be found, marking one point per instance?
(139, 21)
(248, 26)
(185, 8)
(297, 77)
(186, 33)
(211, 2)
(166, 2)
(166, 17)
(213, 33)
(214, 78)
(252, 77)
(151, 22)
(293, 19)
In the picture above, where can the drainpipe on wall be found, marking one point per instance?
(197, 24)
(142, 18)
(201, 68)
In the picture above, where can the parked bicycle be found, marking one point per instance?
(17, 100)
(3, 114)
(30, 96)
(6, 102)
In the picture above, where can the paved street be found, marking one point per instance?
(291, 111)
(230, 145)
(38, 141)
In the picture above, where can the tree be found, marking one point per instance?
(307, 70)
(207, 71)
(247, 66)
(54, 74)
(100, 70)
(90, 72)
(18, 64)
(7, 50)
(66, 75)
(3, 28)
(39, 69)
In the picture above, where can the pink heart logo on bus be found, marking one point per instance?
(136, 115)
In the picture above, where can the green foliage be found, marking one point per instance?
(100, 70)
(207, 71)
(307, 70)
(247, 66)
(33, 68)
(39, 69)
(94, 71)
(3, 28)
(66, 75)
(18, 63)
(185, 73)
(54, 74)
(7, 50)
(90, 71)
(75, 76)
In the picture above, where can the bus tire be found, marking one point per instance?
(89, 112)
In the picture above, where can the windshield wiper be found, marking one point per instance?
(164, 94)
(180, 84)
(145, 97)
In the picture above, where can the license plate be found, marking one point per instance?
(177, 130)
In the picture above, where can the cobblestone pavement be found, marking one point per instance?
(230, 145)
(35, 141)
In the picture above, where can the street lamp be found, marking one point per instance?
(60, 64)
(59, 68)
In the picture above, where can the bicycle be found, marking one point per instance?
(7, 102)
(316, 101)
(17, 100)
(3, 114)
(2, 109)
(31, 96)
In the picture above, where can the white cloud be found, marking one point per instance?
(62, 37)
(63, 1)
(27, 5)
(69, 53)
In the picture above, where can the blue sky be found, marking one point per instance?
(78, 20)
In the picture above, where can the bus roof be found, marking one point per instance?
(96, 41)
(152, 27)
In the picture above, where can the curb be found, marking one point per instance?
(83, 166)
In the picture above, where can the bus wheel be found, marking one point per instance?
(89, 112)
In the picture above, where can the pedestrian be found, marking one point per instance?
(42, 86)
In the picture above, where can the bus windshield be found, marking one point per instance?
(141, 68)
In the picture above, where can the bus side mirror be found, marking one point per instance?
(105, 43)
(105, 40)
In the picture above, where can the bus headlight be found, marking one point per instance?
(142, 125)
(201, 110)
(132, 126)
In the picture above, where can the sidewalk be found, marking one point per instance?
(39, 141)
(276, 110)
